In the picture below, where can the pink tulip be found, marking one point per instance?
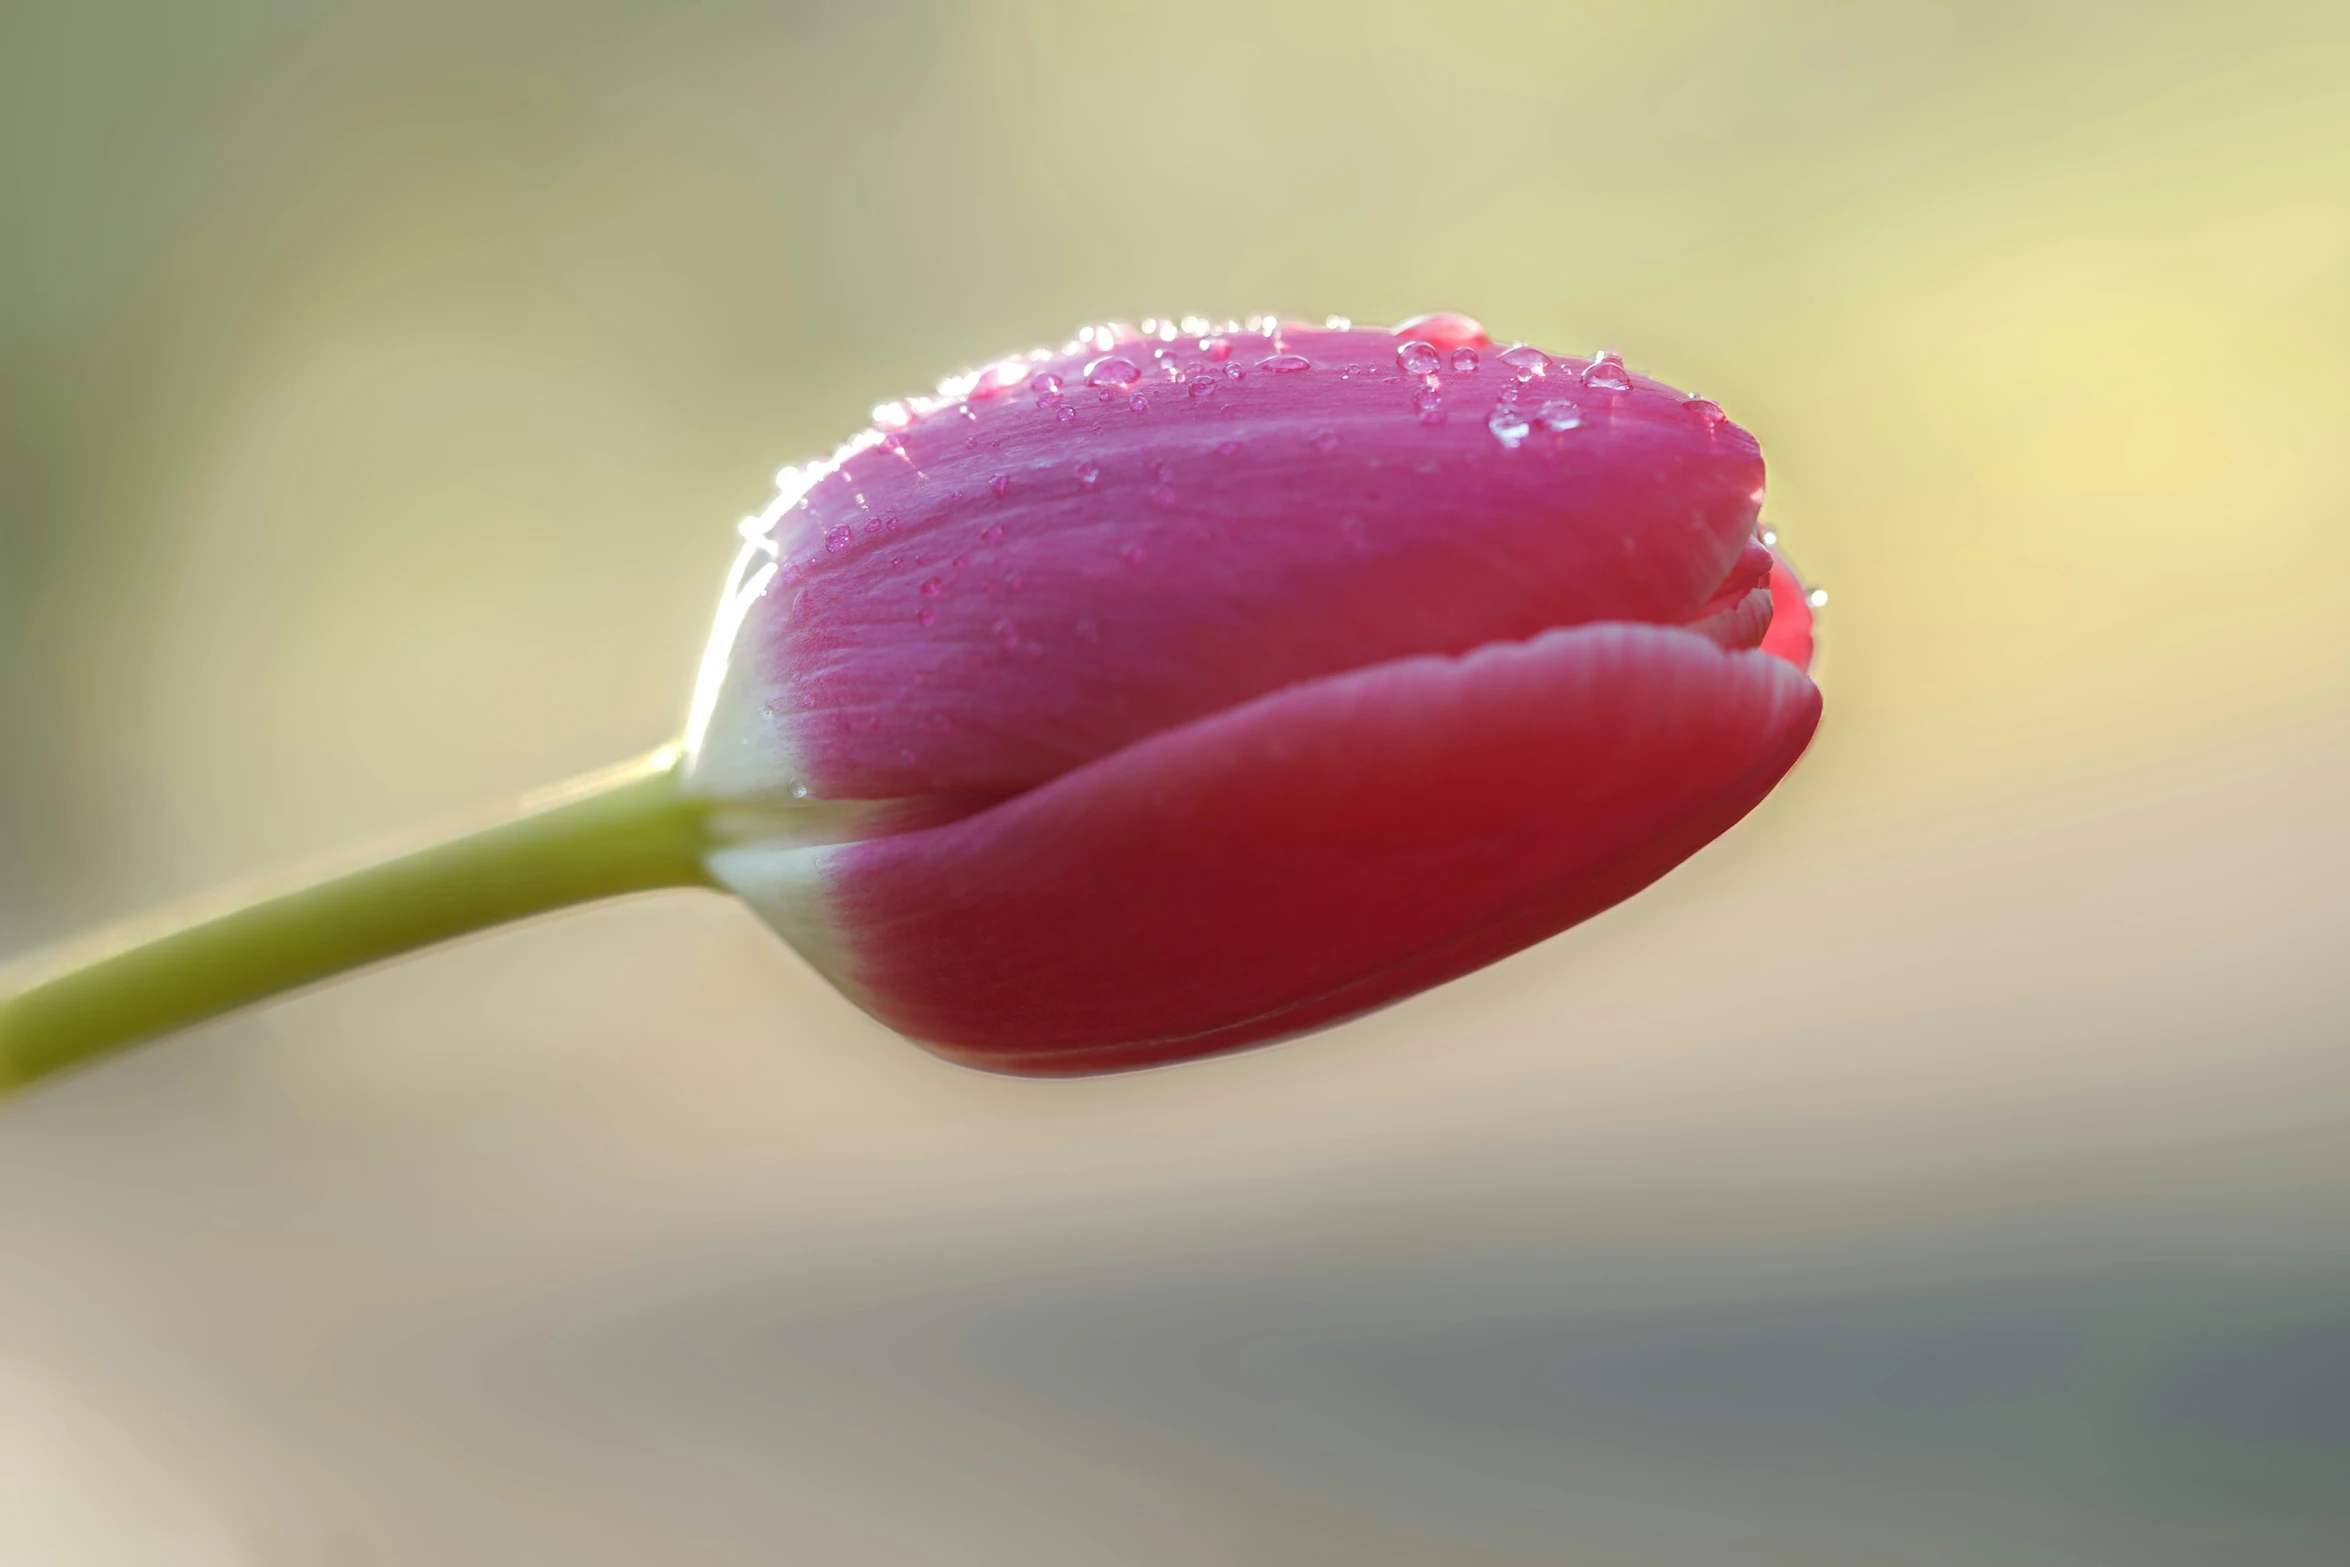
(1181, 691)
(1175, 692)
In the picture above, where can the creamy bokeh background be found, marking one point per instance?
(1948, 1166)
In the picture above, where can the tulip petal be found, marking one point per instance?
(1298, 859)
(1790, 633)
(991, 589)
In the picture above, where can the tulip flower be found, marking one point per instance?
(1180, 690)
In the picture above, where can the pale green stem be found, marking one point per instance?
(632, 829)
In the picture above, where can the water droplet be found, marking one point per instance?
(1112, 370)
(1227, 448)
(927, 615)
(1000, 486)
(1508, 394)
(932, 587)
(1324, 441)
(1508, 426)
(961, 562)
(1464, 360)
(1606, 374)
(1065, 413)
(838, 539)
(1338, 323)
(1559, 415)
(1203, 387)
(1163, 496)
(1432, 412)
(1527, 360)
(1193, 326)
(1134, 554)
(993, 533)
(1445, 329)
(1139, 403)
(892, 416)
(799, 789)
(1418, 358)
(999, 378)
(1705, 408)
(1045, 384)
(1817, 598)
(1216, 348)
(1427, 399)
(1284, 364)
(1089, 474)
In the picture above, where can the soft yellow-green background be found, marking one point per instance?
(1946, 1167)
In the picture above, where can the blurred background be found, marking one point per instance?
(1949, 1166)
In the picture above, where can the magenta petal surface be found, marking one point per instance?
(1312, 853)
(1067, 555)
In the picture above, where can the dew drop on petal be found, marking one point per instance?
(927, 616)
(1284, 364)
(1324, 441)
(1216, 348)
(1444, 328)
(1045, 384)
(1508, 426)
(1705, 408)
(1338, 323)
(932, 587)
(1606, 374)
(993, 533)
(1112, 370)
(1000, 486)
(1527, 360)
(838, 539)
(1559, 415)
(1203, 387)
(1139, 403)
(1163, 496)
(1089, 474)
(1065, 413)
(1464, 360)
(1418, 358)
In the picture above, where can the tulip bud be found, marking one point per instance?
(1171, 693)
(1176, 692)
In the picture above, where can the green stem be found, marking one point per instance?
(629, 830)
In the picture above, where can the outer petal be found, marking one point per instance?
(1298, 859)
(1013, 583)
